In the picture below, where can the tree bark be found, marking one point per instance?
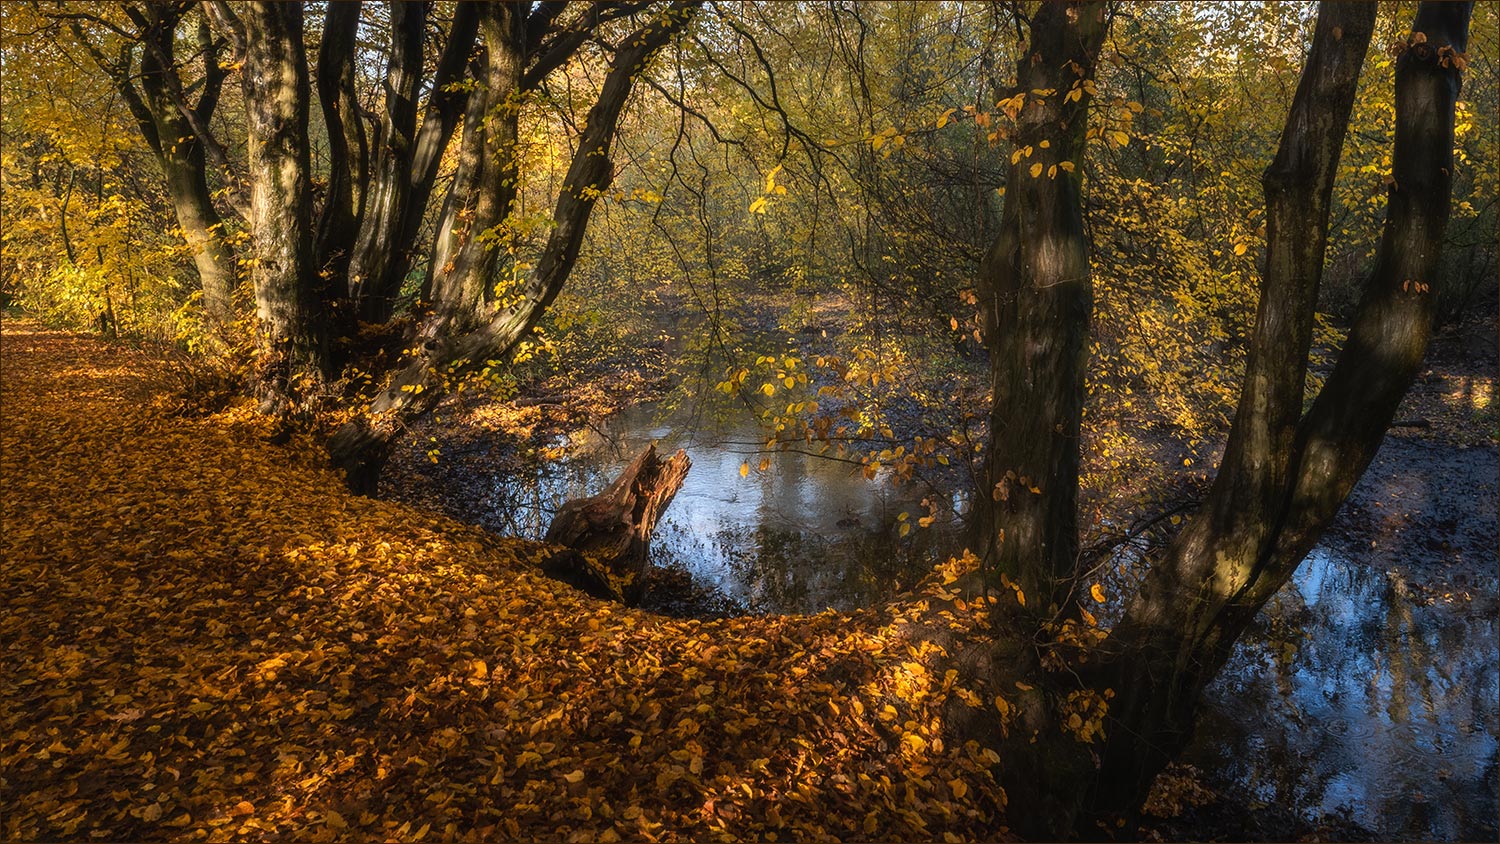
(612, 530)
(406, 158)
(348, 153)
(1037, 299)
(470, 323)
(1283, 478)
(289, 294)
(171, 129)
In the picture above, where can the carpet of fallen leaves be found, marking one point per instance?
(206, 638)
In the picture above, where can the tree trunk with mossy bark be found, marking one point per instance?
(290, 295)
(176, 132)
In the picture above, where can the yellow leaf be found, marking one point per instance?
(771, 178)
(905, 528)
(1020, 596)
(1098, 592)
(1065, 165)
(745, 469)
(576, 776)
(1036, 170)
(943, 118)
(1239, 248)
(481, 669)
(960, 788)
(758, 206)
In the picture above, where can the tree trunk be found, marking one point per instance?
(612, 530)
(471, 323)
(173, 130)
(1037, 300)
(405, 158)
(1283, 479)
(289, 294)
(348, 153)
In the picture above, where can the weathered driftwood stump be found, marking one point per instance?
(609, 533)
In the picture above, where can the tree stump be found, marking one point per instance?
(610, 533)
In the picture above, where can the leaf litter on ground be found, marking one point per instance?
(207, 639)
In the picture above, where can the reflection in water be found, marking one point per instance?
(1350, 696)
(806, 534)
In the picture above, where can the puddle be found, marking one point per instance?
(1350, 696)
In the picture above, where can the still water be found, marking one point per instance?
(804, 535)
(1355, 695)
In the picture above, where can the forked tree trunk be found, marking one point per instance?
(348, 151)
(176, 132)
(612, 531)
(468, 325)
(1284, 475)
(404, 158)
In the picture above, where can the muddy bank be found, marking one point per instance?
(1361, 705)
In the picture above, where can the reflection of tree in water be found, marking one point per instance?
(1349, 694)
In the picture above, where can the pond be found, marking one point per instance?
(803, 535)
(1359, 694)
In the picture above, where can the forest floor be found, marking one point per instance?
(207, 638)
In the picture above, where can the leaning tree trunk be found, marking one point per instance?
(611, 531)
(1283, 478)
(1037, 299)
(176, 132)
(470, 323)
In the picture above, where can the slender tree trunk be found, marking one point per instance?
(173, 130)
(348, 152)
(1037, 300)
(406, 158)
(470, 323)
(203, 229)
(1283, 478)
